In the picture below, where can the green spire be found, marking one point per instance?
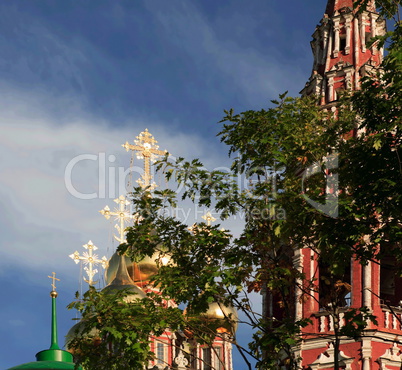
(54, 353)
(54, 357)
(54, 344)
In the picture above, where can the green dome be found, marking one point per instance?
(55, 365)
(49, 359)
(53, 358)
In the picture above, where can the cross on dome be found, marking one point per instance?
(90, 259)
(146, 148)
(54, 278)
(122, 216)
(209, 218)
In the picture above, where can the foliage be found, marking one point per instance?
(208, 264)
(114, 332)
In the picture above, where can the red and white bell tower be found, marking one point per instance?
(341, 55)
(341, 59)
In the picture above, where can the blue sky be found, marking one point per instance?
(81, 78)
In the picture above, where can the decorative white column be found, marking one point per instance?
(313, 271)
(227, 353)
(356, 50)
(348, 26)
(325, 43)
(330, 89)
(367, 285)
(336, 38)
(348, 80)
(298, 264)
(373, 19)
(363, 32)
(366, 354)
(328, 55)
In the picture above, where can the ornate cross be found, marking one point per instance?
(209, 218)
(122, 216)
(90, 260)
(54, 278)
(146, 149)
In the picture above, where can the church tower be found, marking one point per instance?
(342, 56)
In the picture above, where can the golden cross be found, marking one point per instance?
(122, 216)
(53, 277)
(90, 259)
(209, 218)
(146, 149)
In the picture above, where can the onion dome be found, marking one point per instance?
(113, 266)
(140, 272)
(54, 357)
(122, 280)
(225, 316)
(77, 331)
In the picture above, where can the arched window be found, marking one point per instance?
(342, 42)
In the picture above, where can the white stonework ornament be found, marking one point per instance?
(181, 361)
(326, 360)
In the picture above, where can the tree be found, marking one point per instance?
(113, 332)
(285, 159)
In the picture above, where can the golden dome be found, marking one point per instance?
(122, 280)
(76, 331)
(140, 272)
(225, 316)
(113, 265)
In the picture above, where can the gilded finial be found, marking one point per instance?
(146, 149)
